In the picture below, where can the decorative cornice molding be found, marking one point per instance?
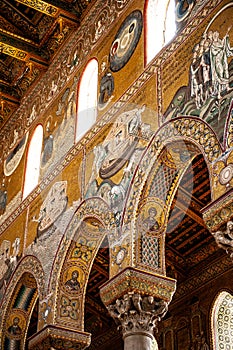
(219, 212)
(203, 278)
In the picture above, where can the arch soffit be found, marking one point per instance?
(31, 265)
(187, 129)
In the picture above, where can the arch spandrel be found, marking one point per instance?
(27, 285)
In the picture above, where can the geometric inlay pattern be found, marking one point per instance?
(162, 182)
(150, 251)
(222, 322)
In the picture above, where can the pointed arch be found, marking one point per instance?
(26, 287)
(149, 190)
(87, 99)
(32, 170)
(221, 321)
(90, 224)
(160, 26)
(185, 129)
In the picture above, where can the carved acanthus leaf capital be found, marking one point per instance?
(134, 313)
(224, 238)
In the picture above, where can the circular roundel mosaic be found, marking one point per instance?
(125, 41)
(226, 174)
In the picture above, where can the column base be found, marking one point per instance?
(60, 339)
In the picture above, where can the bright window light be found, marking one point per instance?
(87, 99)
(33, 161)
(160, 25)
(170, 23)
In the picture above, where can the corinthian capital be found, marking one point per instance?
(224, 238)
(134, 313)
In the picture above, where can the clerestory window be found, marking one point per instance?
(87, 99)
(160, 25)
(32, 171)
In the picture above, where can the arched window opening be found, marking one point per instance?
(87, 99)
(222, 321)
(160, 25)
(33, 161)
(170, 23)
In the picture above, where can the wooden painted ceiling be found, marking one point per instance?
(31, 32)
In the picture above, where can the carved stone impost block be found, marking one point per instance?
(218, 217)
(53, 337)
(219, 212)
(132, 280)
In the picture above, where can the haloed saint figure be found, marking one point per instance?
(151, 223)
(73, 284)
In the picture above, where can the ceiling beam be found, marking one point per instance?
(182, 233)
(96, 308)
(183, 201)
(189, 239)
(9, 91)
(41, 6)
(194, 216)
(190, 197)
(22, 50)
(54, 8)
(8, 97)
(202, 243)
(101, 270)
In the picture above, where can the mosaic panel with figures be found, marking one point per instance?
(206, 91)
